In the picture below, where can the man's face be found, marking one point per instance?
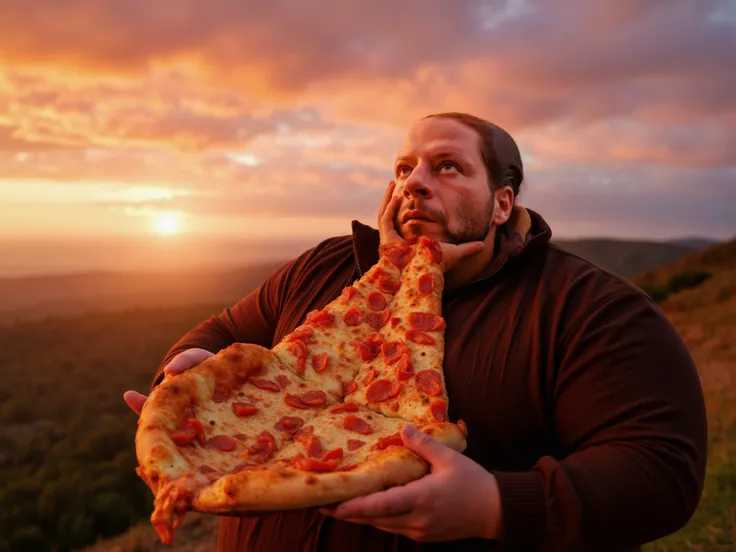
(439, 173)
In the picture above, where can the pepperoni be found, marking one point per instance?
(376, 301)
(302, 333)
(389, 440)
(382, 390)
(262, 449)
(387, 285)
(347, 294)
(420, 338)
(320, 319)
(184, 436)
(314, 447)
(399, 254)
(345, 407)
(198, 430)
(303, 434)
(240, 437)
(429, 382)
(392, 351)
(243, 409)
(367, 350)
(395, 321)
(439, 410)
(378, 320)
(431, 249)
(282, 380)
(355, 444)
(319, 362)
(404, 369)
(224, 443)
(205, 469)
(369, 377)
(222, 393)
(426, 284)
(314, 398)
(295, 401)
(196, 424)
(300, 350)
(353, 317)
(349, 387)
(352, 423)
(289, 423)
(334, 454)
(265, 384)
(313, 464)
(426, 321)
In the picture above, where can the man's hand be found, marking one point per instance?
(451, 253)
(181, 362)
(459, 499)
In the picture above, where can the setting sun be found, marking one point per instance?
(166, 224)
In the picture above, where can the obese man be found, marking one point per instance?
(585, 415)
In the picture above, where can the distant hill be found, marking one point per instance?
(28, 298)
(631, 257)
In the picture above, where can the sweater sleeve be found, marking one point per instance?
(629, 414)
(253, 319)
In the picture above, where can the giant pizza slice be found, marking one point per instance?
(316, 420)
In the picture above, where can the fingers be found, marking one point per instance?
(394, 502)
(386, 222)
(186, 360)
(135, 401)
(470, 248)
(426, 446)
(453, 254)
(387, 195)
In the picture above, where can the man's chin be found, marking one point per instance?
(422, 228)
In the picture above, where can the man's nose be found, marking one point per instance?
(417, 184)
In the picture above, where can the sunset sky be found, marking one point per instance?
(258, 119)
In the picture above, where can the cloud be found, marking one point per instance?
(286, 108)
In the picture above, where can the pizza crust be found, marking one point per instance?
(275, 487)
(159, 458)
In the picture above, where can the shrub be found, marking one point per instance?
(658, 293)
(687, 279)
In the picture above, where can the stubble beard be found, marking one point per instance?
(473, 222)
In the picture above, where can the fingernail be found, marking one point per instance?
(409, 431)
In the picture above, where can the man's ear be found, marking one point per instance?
(503, 203)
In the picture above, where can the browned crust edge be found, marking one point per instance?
(159, 459)
(275, 487)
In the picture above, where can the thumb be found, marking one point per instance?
(186, 360)
(470, 248)
(425, 446)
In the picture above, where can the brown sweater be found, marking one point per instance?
(578, 395)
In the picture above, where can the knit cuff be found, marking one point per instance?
(523, 510)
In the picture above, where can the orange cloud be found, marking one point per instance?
(299, 108)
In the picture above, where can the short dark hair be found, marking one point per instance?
(498, 150)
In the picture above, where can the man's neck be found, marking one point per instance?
(470, 268)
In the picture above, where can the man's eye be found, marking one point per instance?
(448, 165)
(403, 170)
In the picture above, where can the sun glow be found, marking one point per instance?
(166, 224)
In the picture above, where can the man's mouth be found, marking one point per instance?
(415, 215)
